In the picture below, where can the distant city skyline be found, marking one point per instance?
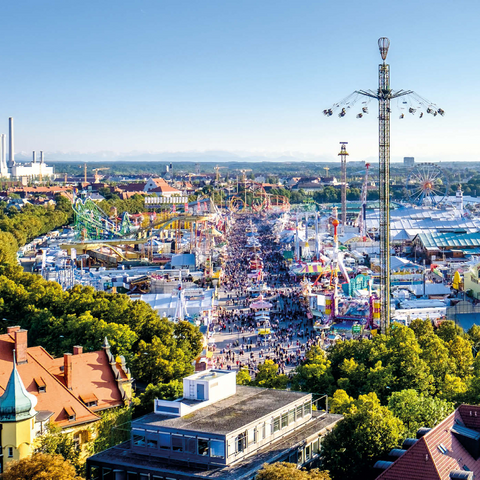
(252, 77)
(201, 157)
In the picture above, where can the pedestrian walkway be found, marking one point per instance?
(237, 343)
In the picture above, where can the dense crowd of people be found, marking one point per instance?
(290, 332)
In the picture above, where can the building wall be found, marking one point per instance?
(254, 431)
(20, 437)
(304, 453)
(238, 444)
(32, 170)
(472, 281)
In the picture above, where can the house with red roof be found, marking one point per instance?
(71, 391)
(161, 188)
(451, 450)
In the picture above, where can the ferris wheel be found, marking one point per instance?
(426, 184)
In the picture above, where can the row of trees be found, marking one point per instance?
(388, 387)
(31, 221)
(157, 350)
(134, 204)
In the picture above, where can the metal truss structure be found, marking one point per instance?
(414, 103)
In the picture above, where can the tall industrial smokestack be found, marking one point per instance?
(3, 160)
(11, 158)
(34, 160)
(41, 156)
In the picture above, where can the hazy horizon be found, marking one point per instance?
(163, 76)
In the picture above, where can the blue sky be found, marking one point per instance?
(235, 75)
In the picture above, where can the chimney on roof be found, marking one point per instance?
(13, 329)
(67, 370)
(77, 350)
(21, 340)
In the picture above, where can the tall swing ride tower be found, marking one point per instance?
(384, 95)
(343, 161)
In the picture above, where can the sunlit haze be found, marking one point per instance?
(235, 76)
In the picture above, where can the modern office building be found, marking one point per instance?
(218, 430)
(409, 161)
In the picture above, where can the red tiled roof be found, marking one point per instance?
(159, 182)
(424, 460)
(125, 195)
(132, 187)
(70, 411)
(56, 396)
(88, 398)
(91, 375)
(166, 189)
(415, 464)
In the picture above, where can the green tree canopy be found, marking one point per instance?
(157, 350)
(416, 410)
(8, 248)
(314, 374)
(268, 376)
(243, 377)
(40, 466)
(56, 442)
(367, 432)
(289, 471)
(163, 391)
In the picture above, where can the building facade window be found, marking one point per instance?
(291, 416)
(138, 440)
(299, 412)
(152, 442)
(190, 444)
(251, 436)
(202, 444)
(217, 448)
(285, 420)
(276, 424)
(164, 441)
(308, 452)
(10, 452)
(307, 408)
(177, 443)
(241, 442)
(300, 457)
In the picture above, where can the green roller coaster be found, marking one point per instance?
(92, 223)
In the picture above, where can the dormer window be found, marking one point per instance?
(90, 400)
(42, 387)
(72, 416)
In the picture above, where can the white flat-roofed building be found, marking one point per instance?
(218, 430)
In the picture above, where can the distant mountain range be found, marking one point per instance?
(208, 156)
(215, 156)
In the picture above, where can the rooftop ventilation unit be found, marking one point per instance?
(461, 475)
(396, 452)
(382, 465)
(422, 431)
(409, 442)
(470, 439)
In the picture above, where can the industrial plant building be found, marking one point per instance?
(11, 169)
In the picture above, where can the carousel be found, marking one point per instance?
(262, 315)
